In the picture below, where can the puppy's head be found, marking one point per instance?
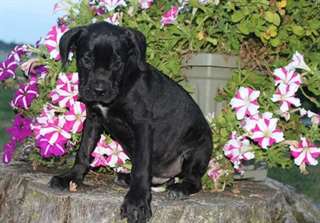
(105, 54)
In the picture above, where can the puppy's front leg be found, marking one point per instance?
(91, 134)
(136, 206)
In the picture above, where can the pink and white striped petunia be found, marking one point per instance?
(116, 155)
(56, 132)
(145, 4)
(285, 95)
(111, 5)
(286, 77)
(8, 68)
(100, 153)
(47, 116)
(170, 16)
(66, 92)
(52, 40)
(237, 149)
(75, 117)
(249, 123)
(17, 53)
(25, 95)
(245, 102)
(114, 19)
(305, 153)
(298, 63)
(266, 133)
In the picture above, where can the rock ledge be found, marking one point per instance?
(25, 197)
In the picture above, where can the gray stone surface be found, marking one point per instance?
(25, 197)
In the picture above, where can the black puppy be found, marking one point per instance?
(155, 120)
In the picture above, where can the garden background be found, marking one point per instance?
(307, 184)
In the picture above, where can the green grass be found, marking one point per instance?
(307, 184)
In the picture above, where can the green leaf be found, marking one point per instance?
(214, 41)
(298, 30)
(273, 18)
(275, 42)
(244, 28)
(237, 16)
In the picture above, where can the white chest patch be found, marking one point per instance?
(103, 109)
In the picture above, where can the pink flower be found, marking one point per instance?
(245, 102)
(100, 153)
(214, 170)
(20, 129)
(286, 77)
(52, 40)
(249, 123)
(285, 96)
(266, 133)
(75, 117)
(8, 69)
(237, 149)
(305, 153)
(111, 154)
(61, 6)
(99, 160)
(145, 4)
(66, 92)
(49, 148)
(116, 156)
(297, 63)
(46, 117)
(112, 4)
(114, 19)
(170, 16)
(8, 151)
(17, 53)
(25, 95)
(55, 132)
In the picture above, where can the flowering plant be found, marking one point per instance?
(261, 119)
(277, 131)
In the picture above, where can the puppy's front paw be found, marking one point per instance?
(136, 210)
(63, 182)
(178, 191)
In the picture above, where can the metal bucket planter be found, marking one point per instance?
(207, 73)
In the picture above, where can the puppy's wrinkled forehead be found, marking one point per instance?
(104, 41)
(103, 44)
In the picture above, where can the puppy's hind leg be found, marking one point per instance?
(91, 134)
(194, 167)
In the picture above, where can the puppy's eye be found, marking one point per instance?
(86, 61)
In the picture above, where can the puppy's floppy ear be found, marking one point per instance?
(139, 46)
(68, 40)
